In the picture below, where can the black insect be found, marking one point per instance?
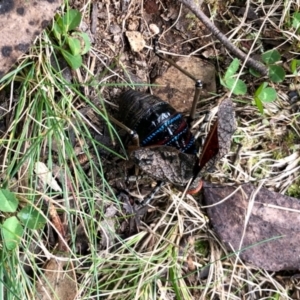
(156, 122)
(164, 136)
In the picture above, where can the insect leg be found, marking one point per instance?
(150, 197)
(132, 133)
(198, 88)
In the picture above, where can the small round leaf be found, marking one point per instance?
(271, 57)
(296, 20)
(74, 61)
(74, 45)
(267, 95)
(276, 73)
(71, 19)
(232, 69)
(8, 201)
(12, 232)
(31, 217)
(254, 73)
(238, 87)
(85, 43)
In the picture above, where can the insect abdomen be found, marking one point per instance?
(155, 121)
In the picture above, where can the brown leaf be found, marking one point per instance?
(166, 163)
(218, 141)
(226, 126)
(56, 283)
(59, 227)
(271, 240)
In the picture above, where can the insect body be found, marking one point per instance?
(168, 150)
(156, 122)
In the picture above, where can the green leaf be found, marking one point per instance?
(295, 63)
(268, 95)
(87, 43)
(59, 26)
(260, 88)
(74, 61)
(265, 94)
(271, 57)
(57, 31)
(254, 73)
(12, 232)
(232, 69)
(296, 20)
(276, 73)
(259, 105)
(71, 19)
(237, 88)
(84, 42)
(74, 45)
(223, 82)
(31, 217)
(8, 201)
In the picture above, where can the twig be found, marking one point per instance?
(250, 62)
(94, 18)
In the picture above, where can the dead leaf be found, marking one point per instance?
(271, 239)
(62, 244)
(45, 175)
(108, 227)
(166, 163)
(218, 141)
(57, 283)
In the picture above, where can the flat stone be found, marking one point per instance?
(21, 22)
(178, 89)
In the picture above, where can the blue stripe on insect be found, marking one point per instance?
(164, 126)
(191, 144)
(178, 137)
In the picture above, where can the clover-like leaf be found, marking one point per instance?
(8, 201)
(12, 232)
(271, 57)
(74, 61)
(296, 20)
(232, 69)
(31, 217)
(237, 86)
(71, 19)
(74, 45)
(276, 73)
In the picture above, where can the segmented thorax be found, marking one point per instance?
(155, 121)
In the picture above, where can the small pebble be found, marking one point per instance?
(114, 29)
(154, 29)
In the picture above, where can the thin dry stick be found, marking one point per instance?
(250, 62)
